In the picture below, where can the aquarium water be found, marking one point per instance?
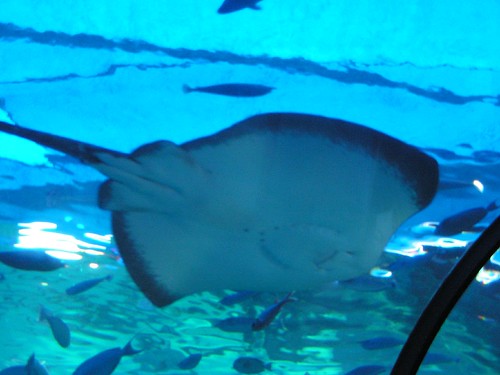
(120, 74)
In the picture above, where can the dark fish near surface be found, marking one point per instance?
(268, 315)
(190, 362)
(464, 221)
(381, 342)
(59, 329)
(30, 260)
(86, 285)
(235, 324)
(237, 297)
(250, 365)
(229, 6)
(367, 370)
(105, 362)
(232, 89)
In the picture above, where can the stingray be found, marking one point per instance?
(276, 202)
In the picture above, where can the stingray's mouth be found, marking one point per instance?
(313, 245)
(273, 258)
(327, 262)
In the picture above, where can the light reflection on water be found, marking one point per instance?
(43, 235)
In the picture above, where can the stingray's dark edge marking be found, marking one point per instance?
(276, 202)
(400, 154)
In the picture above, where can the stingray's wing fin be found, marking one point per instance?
(292, 200)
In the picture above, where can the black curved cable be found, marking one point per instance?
(444, 299)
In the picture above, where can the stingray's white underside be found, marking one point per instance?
(267, 212)
(277, 202)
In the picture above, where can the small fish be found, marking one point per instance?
(232, 89)
(250, 365)
(105, 362)
(86, 285)
(464, 221)
(190, 362)
(59, 329)
(32, 367)
(229, 6)
(235, 324)
(268, 315)
(30, 260)
(367, 370)
(381, 342)
(368, 283)
(237, 297)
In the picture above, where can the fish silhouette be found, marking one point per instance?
(59, 329)
(464, 220)
(230, 6)
(105, 362)
(232, 89)
(86, 285)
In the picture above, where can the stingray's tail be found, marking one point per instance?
(85, 152)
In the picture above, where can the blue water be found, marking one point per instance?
(112, 75)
